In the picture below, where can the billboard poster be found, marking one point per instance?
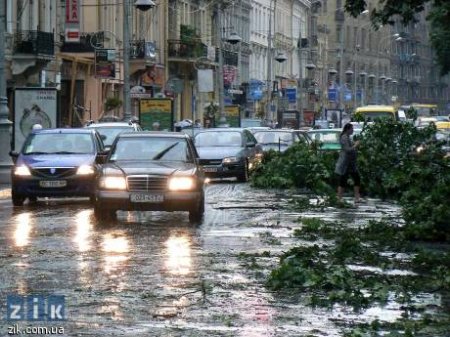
(33, 106)
(156, 111)
(232, 115)
(105, 63)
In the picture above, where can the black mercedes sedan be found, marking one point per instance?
(227, 152)
(151, 171)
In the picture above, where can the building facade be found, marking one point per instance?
(277, 60)
(390, 65)
(331, 59)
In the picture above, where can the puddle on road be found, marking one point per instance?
(154, 274)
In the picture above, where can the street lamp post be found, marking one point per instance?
(381, 75)
(222, 119)
(269, 63)
(233, 39)
(5, 123)
(357, 47)
(142, 5)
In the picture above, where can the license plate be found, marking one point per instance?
(53, 183)
(150, 198)
(210, 169)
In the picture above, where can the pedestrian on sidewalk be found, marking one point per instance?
(346, 164)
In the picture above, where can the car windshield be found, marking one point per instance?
(218, 138)
(59, 143)
(109, 133)
(273, 137)
(325, 137)
(150, 149)
(443, 136)
(372, 115)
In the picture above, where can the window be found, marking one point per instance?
(338, 34)
(348, 37)
(363, 39)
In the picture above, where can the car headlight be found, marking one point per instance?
(181, 183)
(85, 170)
(420, 149)
(22, 170)
(113, 183)
(229, 160)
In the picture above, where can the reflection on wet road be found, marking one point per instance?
(154, 274)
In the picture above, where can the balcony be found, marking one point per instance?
(188, 51)
(34, 42)
(88, 43)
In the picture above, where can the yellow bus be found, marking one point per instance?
(372, 112)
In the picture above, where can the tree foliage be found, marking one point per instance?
(408, 10)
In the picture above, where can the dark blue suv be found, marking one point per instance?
(57, 163)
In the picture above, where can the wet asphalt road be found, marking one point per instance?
(154, 273)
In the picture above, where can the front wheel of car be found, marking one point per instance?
(17, 199)
(243, 177)
(196, 214)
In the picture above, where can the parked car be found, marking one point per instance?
(228, 152)
(109, 130)
(153, 171)
(56, 163)
(328, 139)
(278, 139)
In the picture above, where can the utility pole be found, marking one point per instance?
(5, 123)
(126, 61)
(341, 68)
(269, 64)
(223, 118)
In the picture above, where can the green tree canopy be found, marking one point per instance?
(407, 10)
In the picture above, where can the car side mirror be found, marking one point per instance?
(101, 157)
(250, 144)
(103, 137)
(14, 155)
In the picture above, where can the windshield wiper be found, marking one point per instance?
(163, 152)
(283, 142)
(65, 152)
(36, 152)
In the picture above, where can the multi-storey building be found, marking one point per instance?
(198, 31)
(54, 43)
(322, 48)
(277, 27)
(30, 43)
(391, 65)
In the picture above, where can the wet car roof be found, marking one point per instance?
(63, 130)
(167, 134)
(222, 129)
(110, 124)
